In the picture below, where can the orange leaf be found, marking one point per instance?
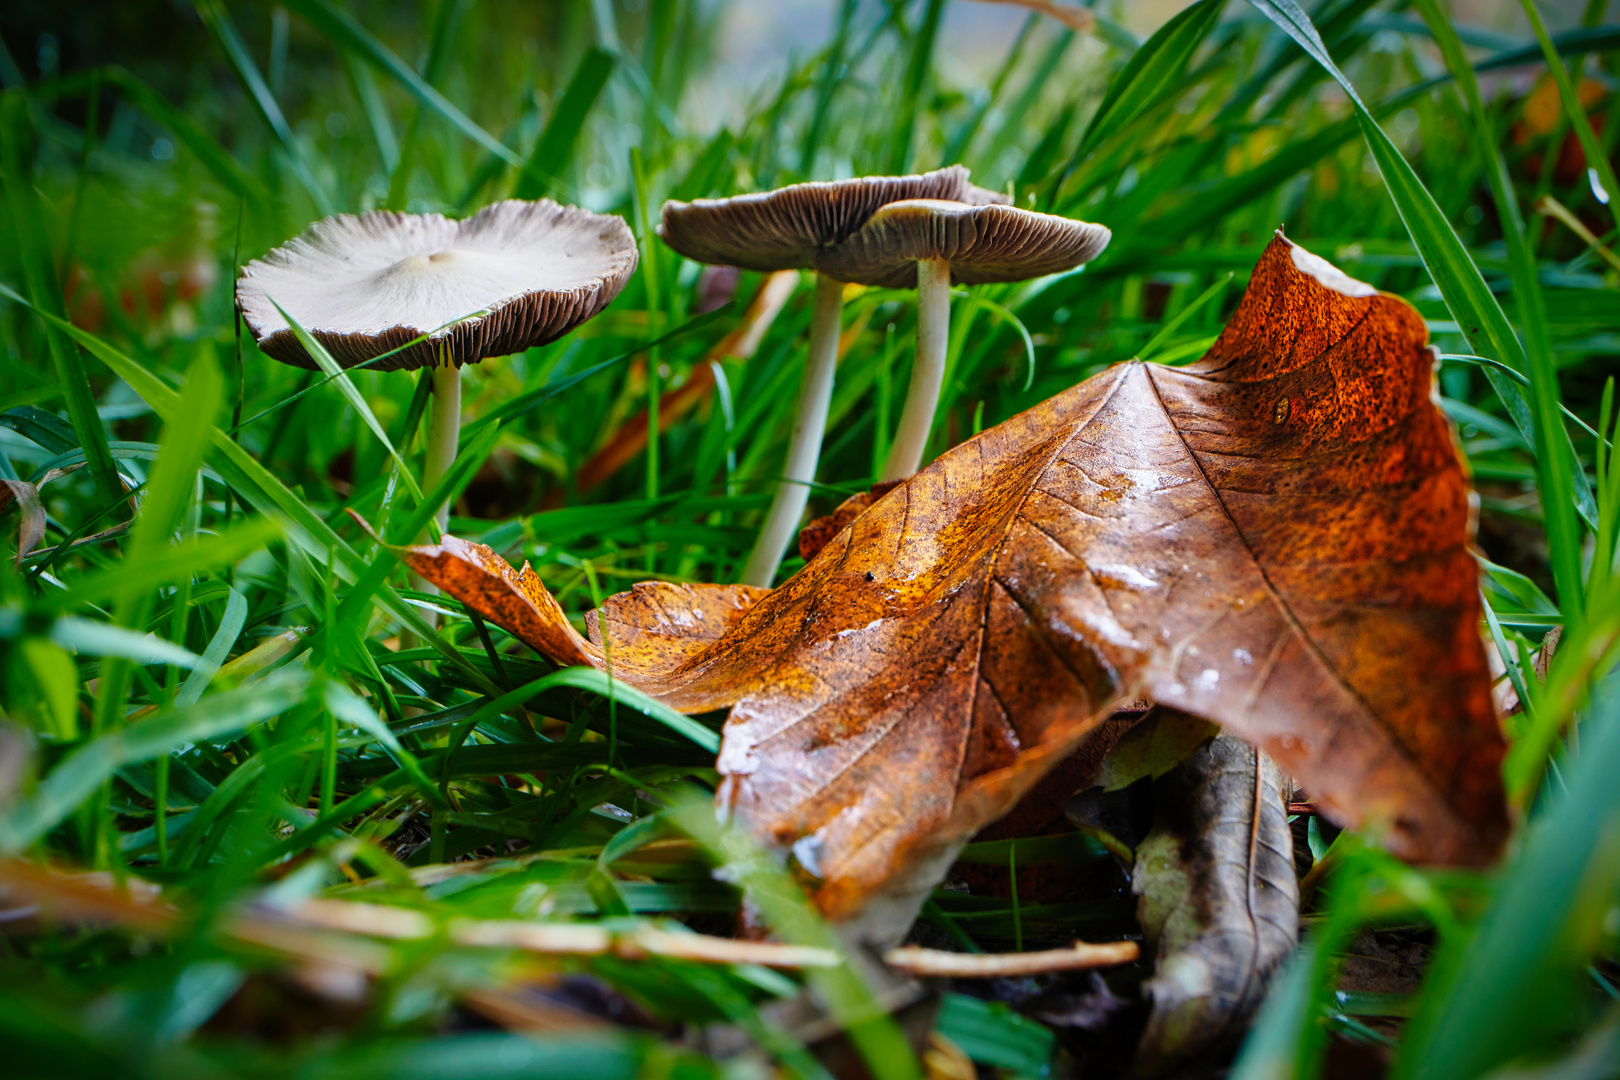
(1275, 538)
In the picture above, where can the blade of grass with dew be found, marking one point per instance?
(554, 151)
(218, 21)
(1542, 375)
(1472, 304)
(1597, 156)
(33, 252)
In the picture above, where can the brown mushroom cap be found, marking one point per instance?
(783, 229)
(982, 243)
(364, 285)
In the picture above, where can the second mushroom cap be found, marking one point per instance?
(982, 243)
(785, 228)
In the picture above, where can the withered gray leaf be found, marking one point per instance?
(1217, 898)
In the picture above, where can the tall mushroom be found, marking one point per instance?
(786, 229)
(927, 244)
(525, 272)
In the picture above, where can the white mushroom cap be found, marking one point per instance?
(364, 285)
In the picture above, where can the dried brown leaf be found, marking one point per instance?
(1275, 538)
(30, 513)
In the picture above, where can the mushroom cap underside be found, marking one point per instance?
(986, 243)
(525, 272)
(784, 229)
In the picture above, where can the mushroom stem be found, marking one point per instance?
(815, 394)
(927, 372)
(443, 433)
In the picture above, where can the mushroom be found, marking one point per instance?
(785, 229)
(513, 275)
(928, 243)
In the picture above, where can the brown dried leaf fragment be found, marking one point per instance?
(653, 629)
(1217, 899)
(30, 513)
(1275, 538)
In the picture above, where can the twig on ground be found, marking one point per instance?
(558, 938)
(941, 964)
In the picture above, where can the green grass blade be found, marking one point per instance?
(441, 39)
(1472, 304)
(1028, 97)
(86, 769)
(832, 74)
(1153, 71)
(347, 33)
(218, 20)
(1597, 158)
(958, 146)
(39, 276)
(130, 579)
(256, 484)
(371, 103)
(170, 483)
(533, 399)
(597, 682)
(118, 643)
(911, 88)
(792, 917)
(215, 158)
(555, 150)
(1563, 534)
(1515, 986)
(219, 647)
(352, 395)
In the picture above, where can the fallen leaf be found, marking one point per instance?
(1217, 900)
(1162, 740)
(1275, 538)
(654, 628)
(30, 513)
